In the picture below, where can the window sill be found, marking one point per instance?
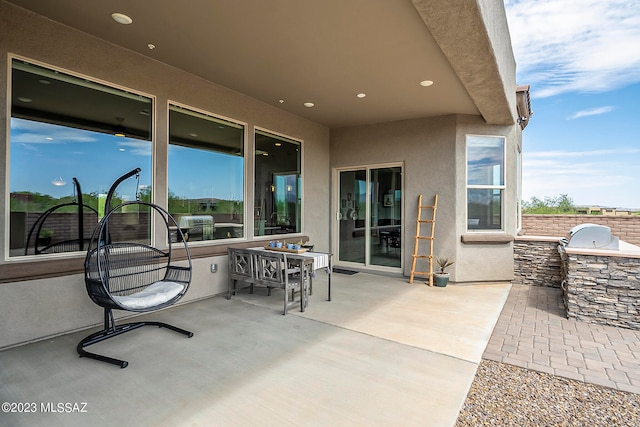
(486, 239)
(46, 268)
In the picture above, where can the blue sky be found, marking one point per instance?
(582, 60)
(45, 158)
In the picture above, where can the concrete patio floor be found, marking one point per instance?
(383, 352)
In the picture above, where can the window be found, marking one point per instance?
(277, 185)
(71, 138)
(206, 175)
(485, 182)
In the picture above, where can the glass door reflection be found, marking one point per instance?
(352, 216)
(385, 242)
(370, 216)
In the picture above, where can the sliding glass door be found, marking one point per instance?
(351, 218)
(369, 216)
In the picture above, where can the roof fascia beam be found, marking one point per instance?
(474, 37)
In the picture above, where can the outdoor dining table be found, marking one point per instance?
(321, 261)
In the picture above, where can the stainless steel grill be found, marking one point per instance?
(591, 236)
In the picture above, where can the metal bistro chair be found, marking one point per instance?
(276, 270)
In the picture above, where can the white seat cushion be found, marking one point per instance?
(151, 296)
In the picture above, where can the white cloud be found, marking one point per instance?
(575, 45)
(563, 154)
(602, 177)
(591, 112)
(135, 147)
(32, 132)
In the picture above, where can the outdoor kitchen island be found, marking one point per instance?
(600, 279)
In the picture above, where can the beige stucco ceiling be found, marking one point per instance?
(298, 51)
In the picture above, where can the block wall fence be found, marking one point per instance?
(626, 228)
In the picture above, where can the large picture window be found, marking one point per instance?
(485, 182)
(206, 175)
(278, 185)
(70, 139)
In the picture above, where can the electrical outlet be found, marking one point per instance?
(214, 268)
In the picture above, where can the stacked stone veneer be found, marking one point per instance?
(626, 228)
(602, 289)
(537, 261)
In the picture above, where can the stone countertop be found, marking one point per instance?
(626, 250)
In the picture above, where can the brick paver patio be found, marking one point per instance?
(534, 333)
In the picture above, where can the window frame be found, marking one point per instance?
(6, 255)
(245, 174)
(501, 187)
(158, 138)
(267, 132)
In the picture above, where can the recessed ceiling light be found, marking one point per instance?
(45, 81)
(278, 144)
(193, 134)
(281, 101)
(361, 95)
(426, 83)
(121, 18)
(151, 46)
(24, 99)
(309, 104)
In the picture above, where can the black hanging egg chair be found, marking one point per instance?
(124, 272)
(37, 243)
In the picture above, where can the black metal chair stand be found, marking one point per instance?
(112, 330)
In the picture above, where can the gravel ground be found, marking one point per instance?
(506, 395)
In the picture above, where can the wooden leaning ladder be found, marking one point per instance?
(430, 237)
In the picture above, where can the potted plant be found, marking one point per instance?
(45, 236)
(441, 278)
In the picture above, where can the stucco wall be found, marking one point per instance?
(35, 309)
(426, 147)
(433, 151)
(484, 43)
(626, 228)
(485, 261)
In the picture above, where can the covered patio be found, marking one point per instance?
(402, 99)
(382, 352)
(376, 103)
